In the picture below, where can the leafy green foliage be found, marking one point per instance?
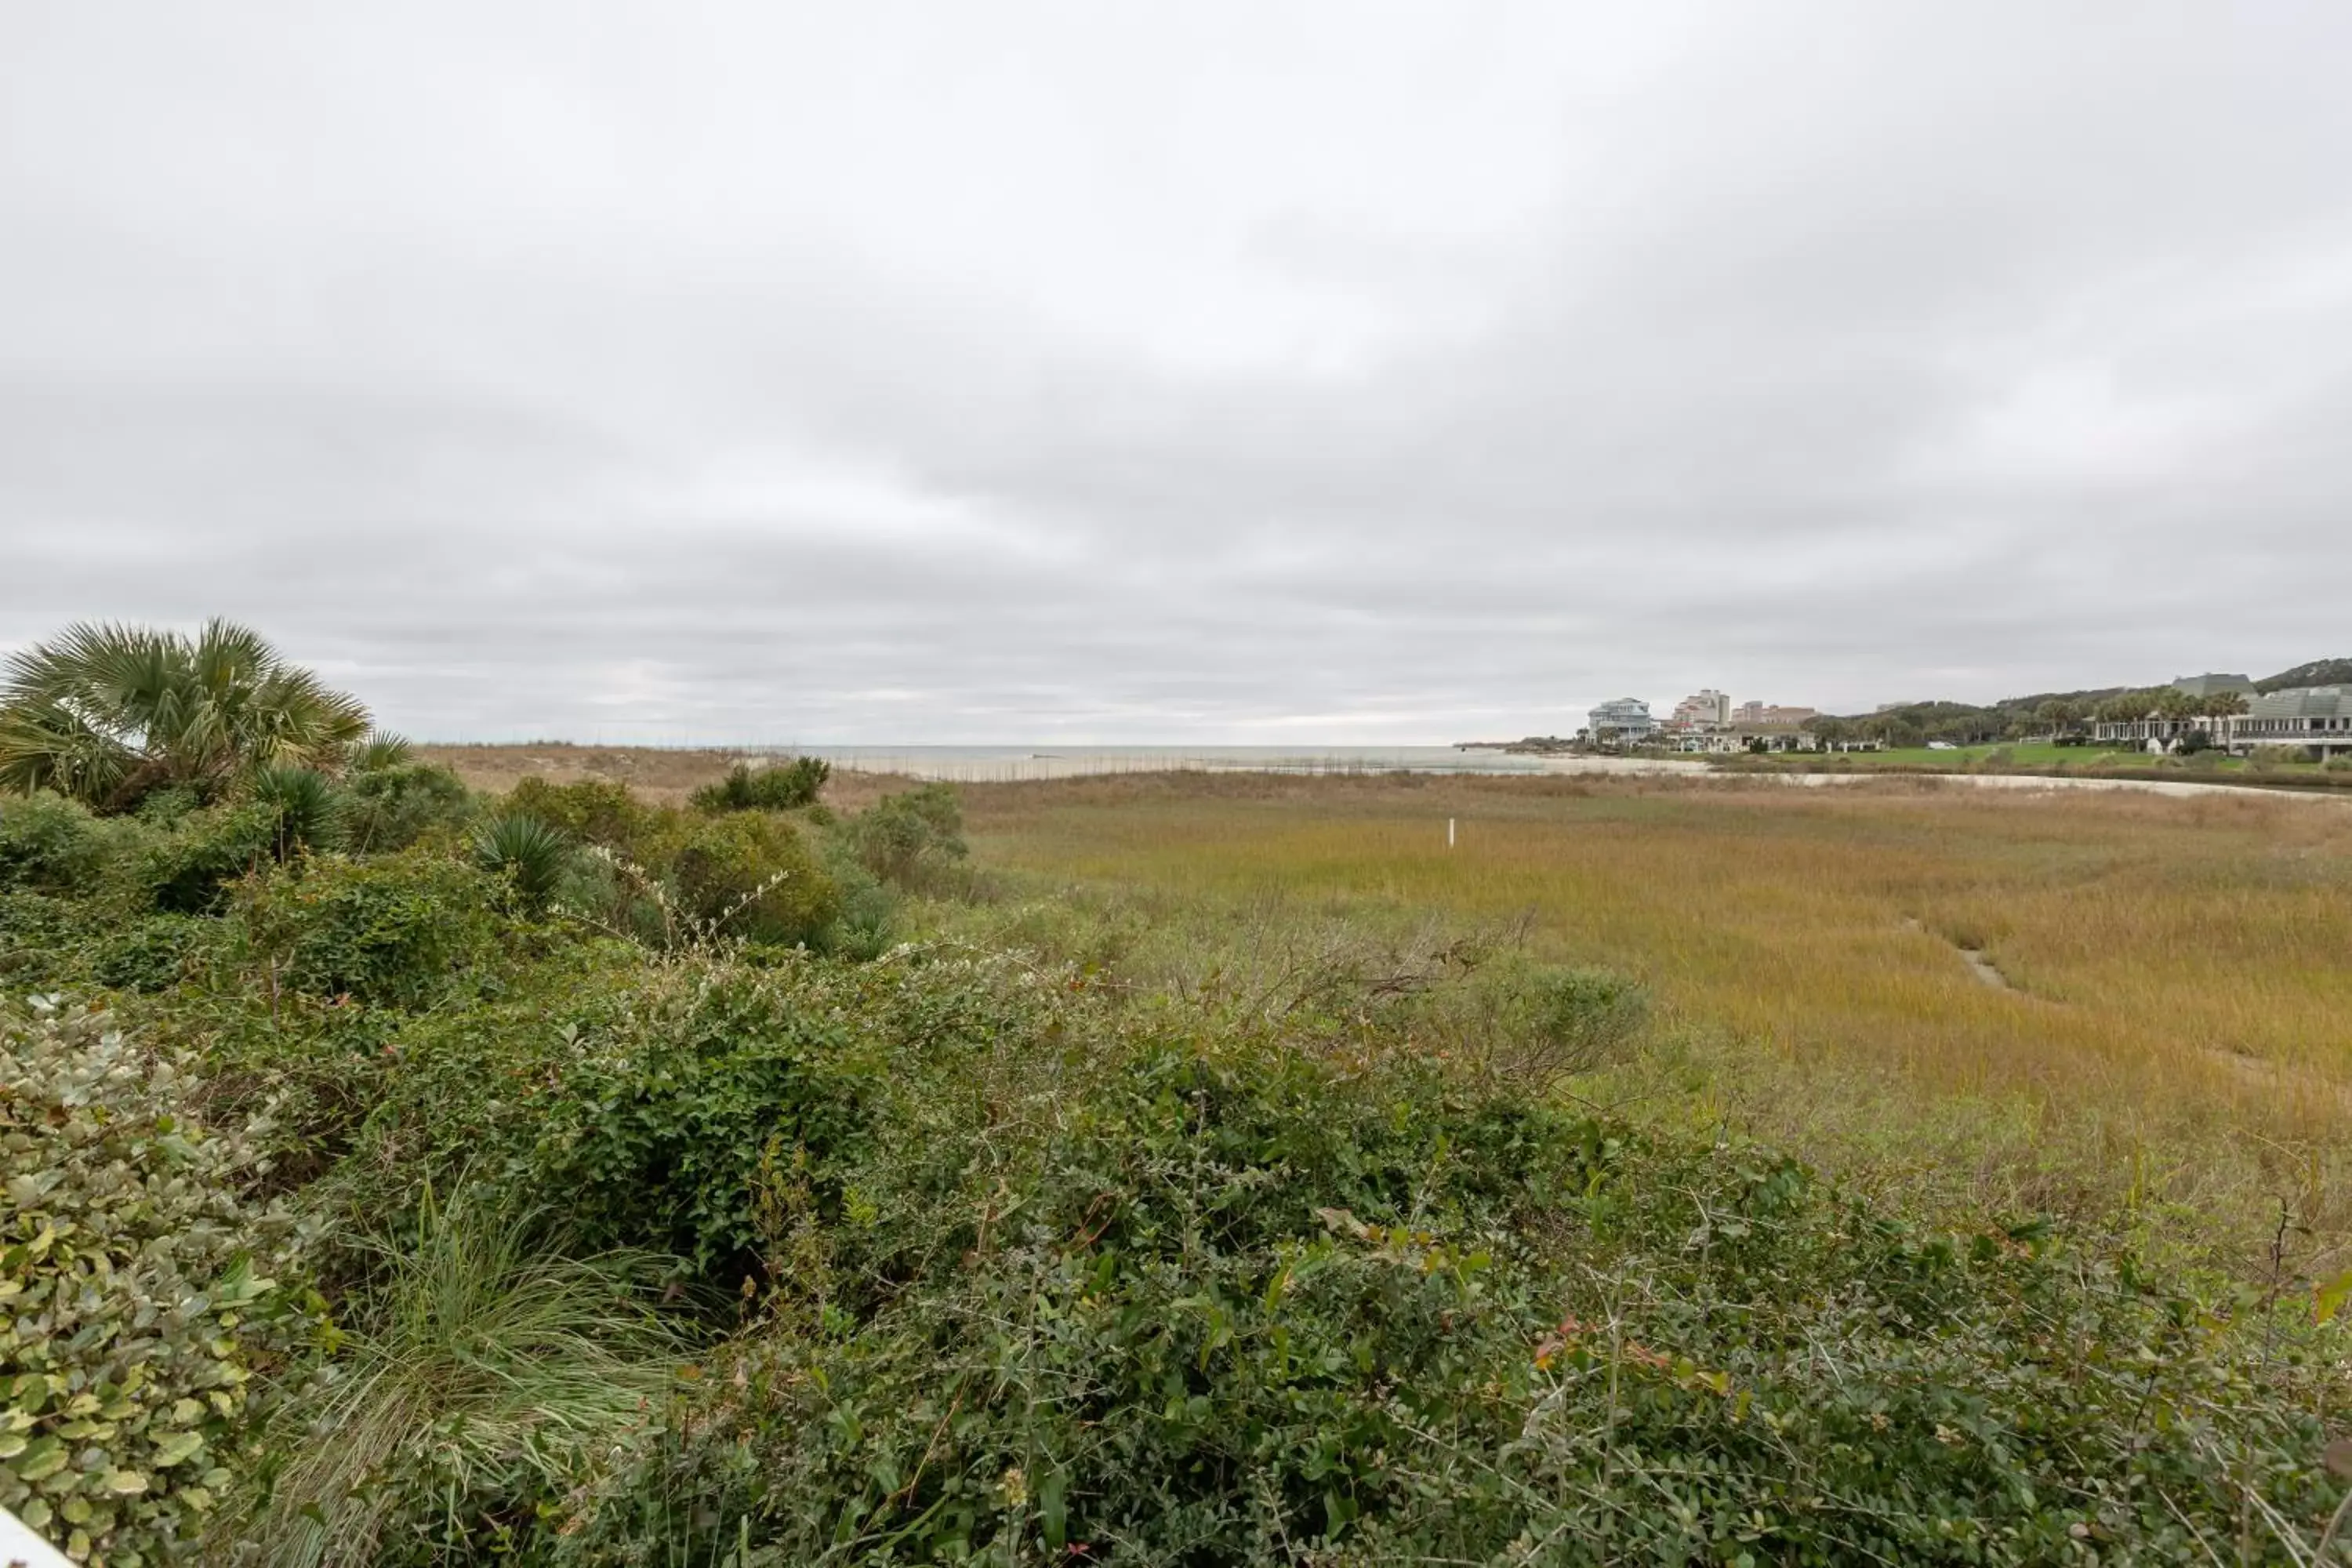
(51, 845)
(1223, 1301)
(778, 786)
(1086, 1238)
(395, 805)
(591, 811)
(909, 838)
(152, 953)
(108, 713)
(745, 874)
(399, 932)
(140, 1293)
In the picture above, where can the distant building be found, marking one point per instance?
(1622, 722)
(1708, 709)
(1753, 713)
(2215, 686)
(2319, 717)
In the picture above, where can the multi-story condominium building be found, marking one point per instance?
(1771, 713)
(1702, 710)
(1622, 722)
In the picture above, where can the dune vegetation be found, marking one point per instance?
(1166, 1170)
(2171, 1026)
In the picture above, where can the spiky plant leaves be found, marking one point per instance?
(532, 855)
(109, 713)
(309, 814)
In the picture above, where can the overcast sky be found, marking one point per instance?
(1187, 372)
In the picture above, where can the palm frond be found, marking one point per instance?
(107, 712)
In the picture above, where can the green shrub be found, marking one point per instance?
(399, 932)
(778, 786)
(1534, 1022)
(592, 811)
(141, 1295)
(152, 953)
(49, 844)
(306, 815)
(391, 808)
(1214, 1303)
(190, 869)
(743, 875)
(909, 838)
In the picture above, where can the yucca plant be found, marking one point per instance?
(108, 713)
(483, 1364)
(531, 856)
(309, 812)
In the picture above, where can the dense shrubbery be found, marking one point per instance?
(1063, 1243)
(141, 1292)
(911, 838)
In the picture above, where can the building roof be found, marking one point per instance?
(2213, 685)
(2302, 702)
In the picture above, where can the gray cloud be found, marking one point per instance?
(1064, 371)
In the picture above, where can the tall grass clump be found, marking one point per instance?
(480, 1370)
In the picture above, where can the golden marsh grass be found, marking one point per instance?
(2178, 1021)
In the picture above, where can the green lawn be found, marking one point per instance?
(2038, 756)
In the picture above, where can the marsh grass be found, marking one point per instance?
(2175, 1048)
(483, 1369)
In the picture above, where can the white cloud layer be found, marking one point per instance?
(1224, 371)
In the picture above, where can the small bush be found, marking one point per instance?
(150, 955)
(391, 808)
(747, 875)
(49, 844)
(144, 1294)
(397, 931)
(189, 870)
(909, 838)
(780, 786)
(1535, 1023)
(592, 810)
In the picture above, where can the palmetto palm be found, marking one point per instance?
(107, 713)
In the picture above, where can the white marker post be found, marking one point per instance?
(1449, 833)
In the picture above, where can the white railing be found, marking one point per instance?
(20, 1548)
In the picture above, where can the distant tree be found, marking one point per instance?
(108, 714)
(2059, 715)
(2223, 704)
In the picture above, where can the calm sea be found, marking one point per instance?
(994, 765)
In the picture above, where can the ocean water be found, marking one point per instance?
(1001, 765)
